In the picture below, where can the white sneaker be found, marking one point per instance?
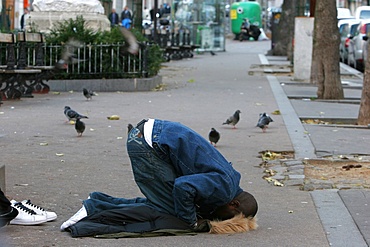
(39, 210)
(82, 213)
(26, 216)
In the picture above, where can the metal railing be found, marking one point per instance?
(90, 61)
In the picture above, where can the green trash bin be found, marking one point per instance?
(241, 10)
(205, 37)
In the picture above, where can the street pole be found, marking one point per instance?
(155, 20)
(3, 16)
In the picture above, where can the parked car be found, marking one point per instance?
(344, 13)
(362, 12)
(347, 28)
(357, 44)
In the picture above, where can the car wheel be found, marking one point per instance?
(359, 65)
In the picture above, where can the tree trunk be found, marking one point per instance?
(364, 113)
(138, 18)
(325, 72)
(285, 29)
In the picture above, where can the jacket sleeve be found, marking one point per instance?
(197, 188)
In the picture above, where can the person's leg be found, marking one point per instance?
(116, 200)
(154, 176)
(5, 204)
(99, 202)
(7, 212)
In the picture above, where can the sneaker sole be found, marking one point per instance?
(51, 218)
(15, 222)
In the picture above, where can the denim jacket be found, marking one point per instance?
(204, 177)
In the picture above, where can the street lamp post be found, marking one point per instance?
(3, 16)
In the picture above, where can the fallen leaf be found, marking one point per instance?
(43, 144)
(160, 87)
(191, 80)
(113, 117)
(270, 172)
(276, 112)
(59, 154)
(277, 183)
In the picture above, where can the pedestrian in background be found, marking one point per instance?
(126, 17)
(24, 17)
(113, 18)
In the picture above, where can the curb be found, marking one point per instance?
(106, 85)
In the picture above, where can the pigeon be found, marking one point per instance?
(214, 136)
(79, 126)
(68, 54)
(213, 53)
(234, 119)
(133, 46)
(71, 114)
(264, 121)
(129, 127)
(88, 93)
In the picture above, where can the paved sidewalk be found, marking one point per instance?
(345, 214)
(200, 92)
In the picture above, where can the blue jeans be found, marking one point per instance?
(154, 176)
(99, 202)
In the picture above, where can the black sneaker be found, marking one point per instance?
(7, 217)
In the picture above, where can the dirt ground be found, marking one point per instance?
(339, 171)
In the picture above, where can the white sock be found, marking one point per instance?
(82, 213)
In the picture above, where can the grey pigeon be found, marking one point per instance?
(129, 127)
(68, 56)
(71, 114)
(264, 121)
(79, 126)
(214, 136)
(88, 93)
(133, 46)
(234, 119)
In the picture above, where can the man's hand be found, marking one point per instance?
(202, 225)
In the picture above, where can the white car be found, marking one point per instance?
(362, 12)
(347, 28)
(344, 13)
(356, 46)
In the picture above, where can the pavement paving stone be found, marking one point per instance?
(337, 221)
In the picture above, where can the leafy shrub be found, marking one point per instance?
(76, 29)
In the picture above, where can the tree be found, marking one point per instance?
(284, 31)
(364, 112)
(5, 23)
(138, 16)
(325, 72)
